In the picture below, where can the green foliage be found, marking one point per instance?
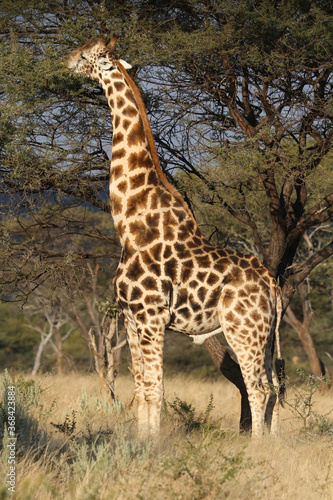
(186, 414)
(219, 65)
(68, 426)
(63, 136)
(17, 342)
(77, 351)
(27, 425)
(194, 459)
(301, 402)
(108, 308)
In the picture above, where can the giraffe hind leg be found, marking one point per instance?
(248, 336)
(272, 408)
(254, 378)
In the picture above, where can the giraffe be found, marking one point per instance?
(169, 275)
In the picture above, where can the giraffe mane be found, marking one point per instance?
(151, 142)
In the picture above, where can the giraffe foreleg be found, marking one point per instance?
(152, 344)
(138, 374)
(146, 341)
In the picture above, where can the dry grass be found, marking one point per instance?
(95, 454)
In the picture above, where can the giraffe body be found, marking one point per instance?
(169, 275)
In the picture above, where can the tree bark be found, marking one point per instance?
(300, 274)
(60, 351)
(303, 330)
(45, 338)
(106, 346)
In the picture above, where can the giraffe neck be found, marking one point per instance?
(138, 187)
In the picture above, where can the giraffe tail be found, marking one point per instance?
(279, 362)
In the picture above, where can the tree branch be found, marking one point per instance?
(272, 195)
(299, 275)
(80, 255)
(247, 221)
(321, 212)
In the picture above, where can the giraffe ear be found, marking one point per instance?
(125, 64)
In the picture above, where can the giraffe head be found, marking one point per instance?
(95, 58)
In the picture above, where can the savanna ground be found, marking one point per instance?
(72, 444)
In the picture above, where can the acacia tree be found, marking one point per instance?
(54, 161)
(301, 323)
(51, 321)
(99, 323)
(248, 86)
(239, 96)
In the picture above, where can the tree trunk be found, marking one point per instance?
(106, 346)
(60, 351)
(303, 330)
(231, 370)
(38, 358)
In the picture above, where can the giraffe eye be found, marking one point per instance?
(83, 57)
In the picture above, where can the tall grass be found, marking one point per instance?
(72, 444)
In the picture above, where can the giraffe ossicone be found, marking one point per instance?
(169, 275)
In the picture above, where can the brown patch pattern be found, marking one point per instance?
(169, 273)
